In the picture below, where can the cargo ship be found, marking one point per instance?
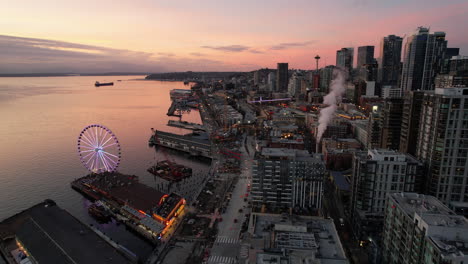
(97, 84)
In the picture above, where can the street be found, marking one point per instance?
(227, 245)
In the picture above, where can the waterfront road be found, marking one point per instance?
(227, 245)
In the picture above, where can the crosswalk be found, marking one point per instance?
(221, 260)
(226, 240)
(244, 251)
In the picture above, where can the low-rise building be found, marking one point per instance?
(283, 240)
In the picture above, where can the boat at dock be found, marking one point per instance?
(99, 212)
(97, 84)
(170, 171)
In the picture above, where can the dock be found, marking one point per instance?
(195, 144)
(186, 125)
(172, 109)
(149, 212)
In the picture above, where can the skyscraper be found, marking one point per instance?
(256, 77)
(282, 78)
(424, 54)
(443, 143)
(271, 82)
(390, 60)
(434, 61)
(344, 58)
(365, 56)
(326, 75)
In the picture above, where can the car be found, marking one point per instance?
(235, 220)
(240, 210)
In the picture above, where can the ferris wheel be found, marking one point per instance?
(99, 149)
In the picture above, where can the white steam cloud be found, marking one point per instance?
(337, 89)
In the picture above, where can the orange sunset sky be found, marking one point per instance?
(179, 35)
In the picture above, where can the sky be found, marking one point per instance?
(207, 35)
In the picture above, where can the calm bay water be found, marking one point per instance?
(40, 119)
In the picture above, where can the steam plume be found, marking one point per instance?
(337, 89)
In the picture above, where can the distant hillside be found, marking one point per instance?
(181, 76)
(71, 74)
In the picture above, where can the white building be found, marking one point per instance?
(294, 86)
(287, 178)
(390, 91)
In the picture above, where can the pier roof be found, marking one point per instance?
(128, 190)
(52, 235)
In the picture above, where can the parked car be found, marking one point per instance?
(235, 220)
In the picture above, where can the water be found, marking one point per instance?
(42, 117)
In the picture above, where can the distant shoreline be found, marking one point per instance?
(70, 74)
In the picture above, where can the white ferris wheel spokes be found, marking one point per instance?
(99, 149)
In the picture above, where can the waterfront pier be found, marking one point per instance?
(195, 144)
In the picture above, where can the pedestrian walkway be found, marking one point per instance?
(226, 240)
(221, 260)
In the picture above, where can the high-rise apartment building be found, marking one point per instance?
(365, 56)
(443, 143)
(282, 78)
(326, 75)
(344, 58)
(412, 103)
(449, 54)
(391, 116)
(459, 64)
(390, 60)
(424, 55)
(287, 178)
(256, 77)
(377, 173)
(271, 81)
(374, 129)
(295, 84)
(419, 229)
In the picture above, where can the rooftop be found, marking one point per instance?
(52, 235)
(452, 91)
(446, 230)
(412, 203)
(386, 155)
(319, 242)
(128, 190)
(295, 154)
